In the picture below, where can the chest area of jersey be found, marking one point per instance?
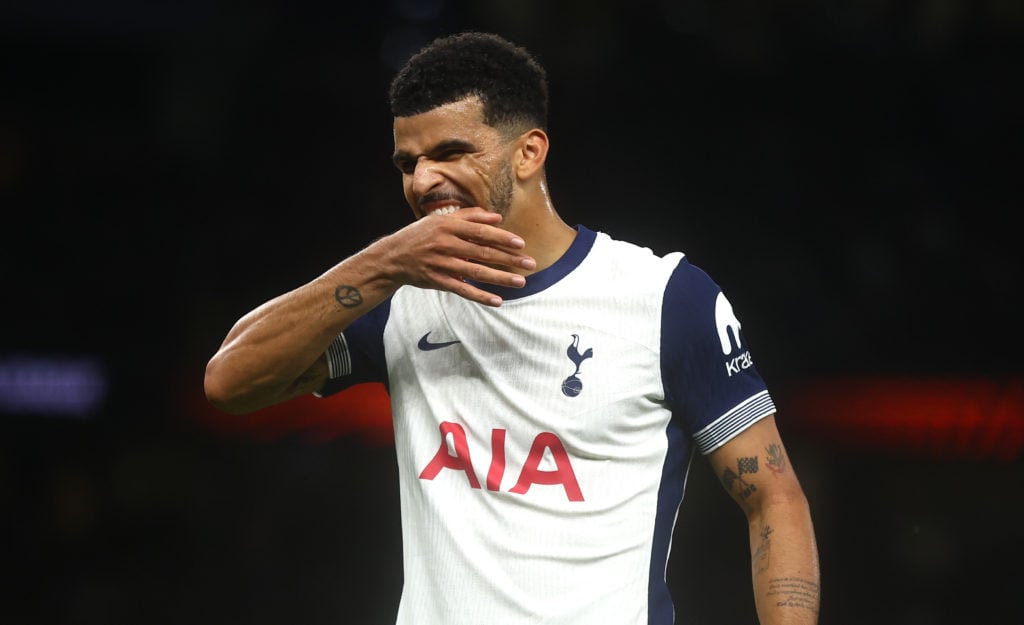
(566, 392)
(538, 354)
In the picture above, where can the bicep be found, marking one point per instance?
(754, 468)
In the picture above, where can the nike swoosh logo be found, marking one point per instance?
(425, 345)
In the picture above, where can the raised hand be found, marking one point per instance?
(442, 252)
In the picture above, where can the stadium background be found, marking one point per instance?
(848, 171)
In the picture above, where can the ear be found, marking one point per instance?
(531, 152)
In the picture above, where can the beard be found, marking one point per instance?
(501, 192)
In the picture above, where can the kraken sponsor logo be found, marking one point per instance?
(737, 364)
(726, 320)
(728, 332)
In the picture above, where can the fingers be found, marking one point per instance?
(465, 282)
(462, 277)
(458, 253)
(480, 226)
(494, 257)
(486, 243)
(468, 291)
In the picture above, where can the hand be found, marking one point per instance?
(441, 252)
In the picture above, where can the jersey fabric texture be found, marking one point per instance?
(543, 446)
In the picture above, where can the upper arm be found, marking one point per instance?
(711, 381)
(754, 467)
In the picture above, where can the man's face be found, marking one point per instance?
(451, 159)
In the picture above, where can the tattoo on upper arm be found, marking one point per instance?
(795, 592)
(776, 461)
(730, 477)
(348, 296)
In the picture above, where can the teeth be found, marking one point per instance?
(445, 210)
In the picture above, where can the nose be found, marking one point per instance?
(426, 176)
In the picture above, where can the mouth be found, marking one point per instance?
(446, 209)
(443, 203)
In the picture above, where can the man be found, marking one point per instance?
(549, 384)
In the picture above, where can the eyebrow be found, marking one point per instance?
(458, 145)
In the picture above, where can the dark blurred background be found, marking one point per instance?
(847, 171)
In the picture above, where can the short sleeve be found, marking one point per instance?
(707, 367)
(357, 354)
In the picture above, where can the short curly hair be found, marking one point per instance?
(510, 83)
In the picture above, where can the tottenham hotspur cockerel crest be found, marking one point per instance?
(572, 385)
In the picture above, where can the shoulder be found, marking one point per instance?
(684, 283)
(619, 258)
(607, 245)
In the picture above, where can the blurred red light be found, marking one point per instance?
(978, 419)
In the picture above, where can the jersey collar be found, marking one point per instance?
(537, 282)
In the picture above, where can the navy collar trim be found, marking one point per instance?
(537, 282)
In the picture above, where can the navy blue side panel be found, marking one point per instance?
(365, 340)
(660, 609)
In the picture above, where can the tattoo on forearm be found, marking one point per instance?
(794, 592)
(348, 296)
(762, 555)
(776, 461)
(730, 477)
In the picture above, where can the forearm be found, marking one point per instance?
(274, 352)
(784, 561)
(270, 354)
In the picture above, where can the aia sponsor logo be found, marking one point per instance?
(456, 456)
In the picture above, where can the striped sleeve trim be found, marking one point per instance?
(724, 428)
(339, 361)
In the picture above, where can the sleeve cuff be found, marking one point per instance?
(339, 361)
(725, 427)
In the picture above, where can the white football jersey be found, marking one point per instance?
(543, 446)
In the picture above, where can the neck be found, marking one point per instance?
(546, 235)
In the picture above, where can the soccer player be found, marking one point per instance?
(549, 384)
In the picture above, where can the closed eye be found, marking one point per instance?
(443, 152)
(405, 165)
(449, 154)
